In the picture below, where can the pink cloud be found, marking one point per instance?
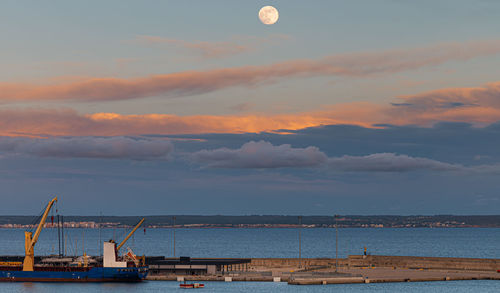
(476, 105)
(479, 105)
(485, 96)
(199, 82)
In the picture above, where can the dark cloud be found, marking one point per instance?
(457, 104)
(88, 147)
(389, 162)
(401, 104)
(453, 143)
(416, 182)
(261, 154)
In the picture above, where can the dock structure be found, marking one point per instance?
(161, 266)
(322, 271)
(314, 271)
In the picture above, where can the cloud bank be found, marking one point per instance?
(251, 155)
(199, 82)
(388, 162)
(259, 155)
(485, 96)
(87, 147)
(66, 122)
(264, 155)
(476, 105)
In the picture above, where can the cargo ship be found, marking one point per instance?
(112, 268)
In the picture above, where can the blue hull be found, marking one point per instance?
(69, 274)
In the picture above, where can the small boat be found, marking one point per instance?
(191, 285)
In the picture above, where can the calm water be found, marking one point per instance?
(456, 242)
(463, 242)
(234, 287)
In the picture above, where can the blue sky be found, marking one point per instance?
(196, 107)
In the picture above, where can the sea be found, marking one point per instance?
(265, 242)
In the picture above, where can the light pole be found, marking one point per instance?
(173, 228)
(300, 249)
(336, 244)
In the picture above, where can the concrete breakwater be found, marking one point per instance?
(354, 269)
(417, 262)
(303, 263)
(356, 261)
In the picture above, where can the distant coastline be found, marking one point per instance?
(264, 221)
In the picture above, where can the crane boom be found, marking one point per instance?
(29, 241)
(130, 234)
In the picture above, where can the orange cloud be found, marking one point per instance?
(36, 122)
(479, 105)
(475, 105)
(487, 95)
(199, 82)
(68, 122)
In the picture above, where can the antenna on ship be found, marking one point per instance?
(59, 234)
(83, 242)
(62, 238)
(99, 243)
(52, 226)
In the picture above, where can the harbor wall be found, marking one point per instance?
(411, 262)
(296, 262)
(418, 262)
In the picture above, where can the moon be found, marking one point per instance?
(268, 15)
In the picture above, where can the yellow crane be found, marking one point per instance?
(29, 241)
(130, 234)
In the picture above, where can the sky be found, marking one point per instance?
(196, 107)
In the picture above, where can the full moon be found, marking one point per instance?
(268, 15)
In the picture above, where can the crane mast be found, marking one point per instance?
(130, 234)
(30, 239)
